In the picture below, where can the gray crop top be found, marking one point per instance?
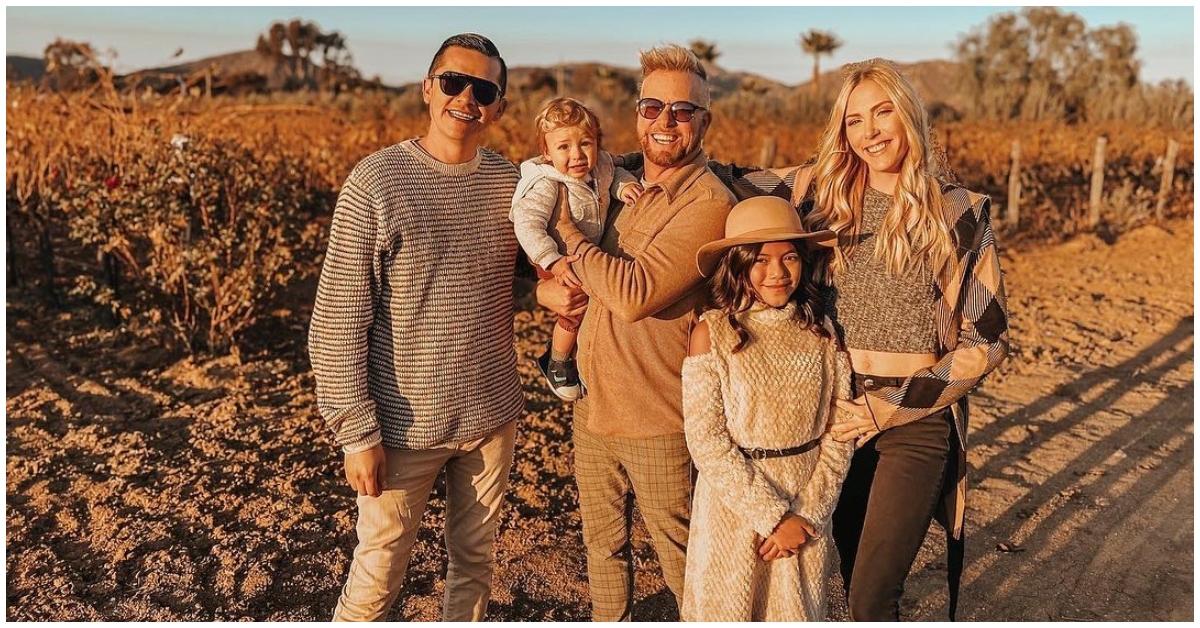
(874, 310)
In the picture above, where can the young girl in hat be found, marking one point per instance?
(760, 385)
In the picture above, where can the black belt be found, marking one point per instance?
(759, 453)
(863, 383)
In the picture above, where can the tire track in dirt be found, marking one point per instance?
(1082, 441)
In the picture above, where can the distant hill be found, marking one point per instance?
(18, 68)
(228, 63)
(934, 80)
(610, 83)
(245, 69)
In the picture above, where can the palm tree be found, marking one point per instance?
(706, 51)
(816, 43)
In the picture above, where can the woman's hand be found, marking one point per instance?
(560, 299)
(859, 426)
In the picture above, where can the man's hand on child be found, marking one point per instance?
(561, 269)
(630, 193)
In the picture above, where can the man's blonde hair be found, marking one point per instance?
(562, 113)
(674, 58)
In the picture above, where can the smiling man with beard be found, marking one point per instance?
(412, 337)
(643, 286)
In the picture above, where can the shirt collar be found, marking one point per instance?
(695, 164)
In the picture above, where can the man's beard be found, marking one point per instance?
(662, 156)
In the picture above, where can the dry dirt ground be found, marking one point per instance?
(147, 486)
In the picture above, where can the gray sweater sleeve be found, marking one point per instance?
(341, 320)
(530, 216)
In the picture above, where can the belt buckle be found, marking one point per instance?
(758, 454)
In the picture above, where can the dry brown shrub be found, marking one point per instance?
(192, 214)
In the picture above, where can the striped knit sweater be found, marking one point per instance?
(412, 333)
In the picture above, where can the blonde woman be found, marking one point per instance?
(916, 292)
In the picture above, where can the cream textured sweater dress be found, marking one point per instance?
(777, 393)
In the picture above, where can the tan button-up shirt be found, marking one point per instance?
(644, 286)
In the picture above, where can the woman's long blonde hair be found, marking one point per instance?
(914, 230)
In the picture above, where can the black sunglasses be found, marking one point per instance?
(681, 111)
(453, 83)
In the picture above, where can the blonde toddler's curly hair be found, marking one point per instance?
(563, 113)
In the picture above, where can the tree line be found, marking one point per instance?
(1046, 64)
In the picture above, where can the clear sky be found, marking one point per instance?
(396, 42)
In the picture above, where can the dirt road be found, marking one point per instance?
(144, 486)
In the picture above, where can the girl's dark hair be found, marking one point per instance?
(732, 293)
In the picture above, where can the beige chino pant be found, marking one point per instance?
(476, 479)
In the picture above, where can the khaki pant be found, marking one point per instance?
(609, 471)
(476, 478)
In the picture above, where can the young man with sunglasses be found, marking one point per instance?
(643, 284)
(421, 252)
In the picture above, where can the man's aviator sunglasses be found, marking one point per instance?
(453, 83)
(681, 111)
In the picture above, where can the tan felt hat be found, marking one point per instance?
(754, 220)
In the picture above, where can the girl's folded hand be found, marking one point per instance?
(792, 532)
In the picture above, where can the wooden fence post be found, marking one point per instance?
(1097, 181)
(1167, 175)
(766, 158)
(1014, 186)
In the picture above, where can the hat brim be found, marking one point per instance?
(709, 254)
